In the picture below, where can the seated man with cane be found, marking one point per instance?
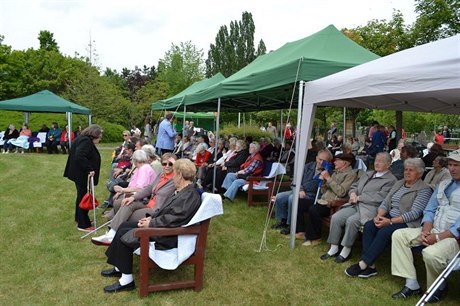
(437, 236)
(308, 191)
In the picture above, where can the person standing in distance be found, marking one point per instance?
(84, 159)
(166, 135)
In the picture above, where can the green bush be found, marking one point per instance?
(243, 131)
(112, 132)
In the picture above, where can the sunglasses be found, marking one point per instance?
(125, 135)
(167, 164)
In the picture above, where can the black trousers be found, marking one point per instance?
(119, 254)
(81, 216)
(303, 208)
(316, 213)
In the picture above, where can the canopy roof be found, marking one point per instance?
(269, 81)
(45, 102)
(195, 87)
(425, 78)
(207, 115)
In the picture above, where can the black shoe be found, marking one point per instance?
(353, 270)
(116, 287)
(279, 225)
(368, 272)
(341, 259)
(286, 230)
(327, 256)
(104, 205)
(405, 292)
(111, 273)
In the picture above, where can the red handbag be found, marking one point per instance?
(89, 200)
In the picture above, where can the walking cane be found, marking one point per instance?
(95, 230)
(317, 192)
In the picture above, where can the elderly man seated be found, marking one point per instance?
(308, 189)
(253, 165)
(440, 223)
(365, 197)
(334, 187)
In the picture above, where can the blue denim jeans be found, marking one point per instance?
(375, 240)
(232, 184)
(283, 204)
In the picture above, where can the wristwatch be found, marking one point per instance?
(437, 237)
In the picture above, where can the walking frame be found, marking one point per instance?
(438, 282)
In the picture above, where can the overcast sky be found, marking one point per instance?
(137, 32)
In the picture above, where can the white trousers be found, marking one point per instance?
(436, 256)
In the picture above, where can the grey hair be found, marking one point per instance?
(150, 151)
(200, 147)
(241, 143)
(140, 156)
(256, 146)
(232, 140)
(442, 161)
(417, 163)
(387, 157)
(329, 154)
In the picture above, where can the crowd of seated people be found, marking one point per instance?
(376, 203)
(21, 141)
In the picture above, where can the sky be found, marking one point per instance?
(129, 33)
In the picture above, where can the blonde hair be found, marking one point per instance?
(186, 168)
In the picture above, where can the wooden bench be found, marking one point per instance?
(447, 147)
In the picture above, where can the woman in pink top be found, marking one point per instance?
(143, 175)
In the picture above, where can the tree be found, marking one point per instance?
(234, 48)
(382, 37)
(47, 41)
(436, 19)
(181, 66)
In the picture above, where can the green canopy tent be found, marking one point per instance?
(180, 97)
(268, 82)
(45, 102)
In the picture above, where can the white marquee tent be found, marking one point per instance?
(425, 78)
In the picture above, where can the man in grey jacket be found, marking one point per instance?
(365, 197)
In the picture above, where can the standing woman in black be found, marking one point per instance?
(84, 159)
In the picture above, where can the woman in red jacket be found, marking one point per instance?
(201, 162)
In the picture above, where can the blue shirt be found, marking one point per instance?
(430, 211)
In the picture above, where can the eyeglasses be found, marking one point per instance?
(167, 164)
(125, 135)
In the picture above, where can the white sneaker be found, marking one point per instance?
(102, 240)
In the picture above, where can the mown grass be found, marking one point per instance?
(44, 261)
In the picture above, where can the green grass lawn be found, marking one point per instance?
(44, 261)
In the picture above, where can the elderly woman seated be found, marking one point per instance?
(134, 179)
(253, 165)
(365, 196)
(439, 172)
(333, 187)
(176, 211)
(397, 167)
(403, 207)
(133, 208)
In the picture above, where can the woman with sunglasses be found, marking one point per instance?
(146, 201)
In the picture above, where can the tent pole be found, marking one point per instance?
(89, 119)
(26, 117)
(281, 125)
(215, 144)
(399, 119)
(239, 120)
(183, 121)
(344, 124)
(69, 124)
(297, 163)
